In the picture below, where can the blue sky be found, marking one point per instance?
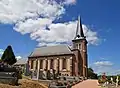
(101, 17)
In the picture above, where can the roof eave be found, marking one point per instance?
(50, 55)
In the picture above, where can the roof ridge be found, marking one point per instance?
(52, 46)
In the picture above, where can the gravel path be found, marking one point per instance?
(87, 84)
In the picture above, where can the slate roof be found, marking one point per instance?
(51, 50)
(21, 62)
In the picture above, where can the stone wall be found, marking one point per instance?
(47, 61)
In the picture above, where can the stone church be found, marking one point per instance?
(63, 59)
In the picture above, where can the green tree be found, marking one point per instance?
(91, 74)
(8, 56)
(90, 70)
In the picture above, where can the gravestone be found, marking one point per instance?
(26, 70)
(9, 74)
(117, 80)
(40, 74)
(111, 79)
(34, 75)
(44, 75)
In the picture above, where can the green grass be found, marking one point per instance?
(25, 77)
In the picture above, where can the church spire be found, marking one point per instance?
(79, 30)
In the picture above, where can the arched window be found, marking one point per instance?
(79, 46)
(51, 64)
(64, 63)
(36, 64)
(31, 64)
(41, 64)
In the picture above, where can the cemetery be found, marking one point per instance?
(14, 75)
(9, 75)
(56, 80)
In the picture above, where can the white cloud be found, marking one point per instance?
(32, 25)
(18, 57)
(57, 33)
(70, 1)
(103, 66)
(1, 51)
(33, 16)
(12, 11)
(103, 63)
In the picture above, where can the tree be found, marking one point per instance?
(91, 74)
(8, 56)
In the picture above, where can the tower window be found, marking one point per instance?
(79, 46)
(76, 46)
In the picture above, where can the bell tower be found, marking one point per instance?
(80, 43)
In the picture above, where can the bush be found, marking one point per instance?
(12, 81)
(91, 74)
(100, 81)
